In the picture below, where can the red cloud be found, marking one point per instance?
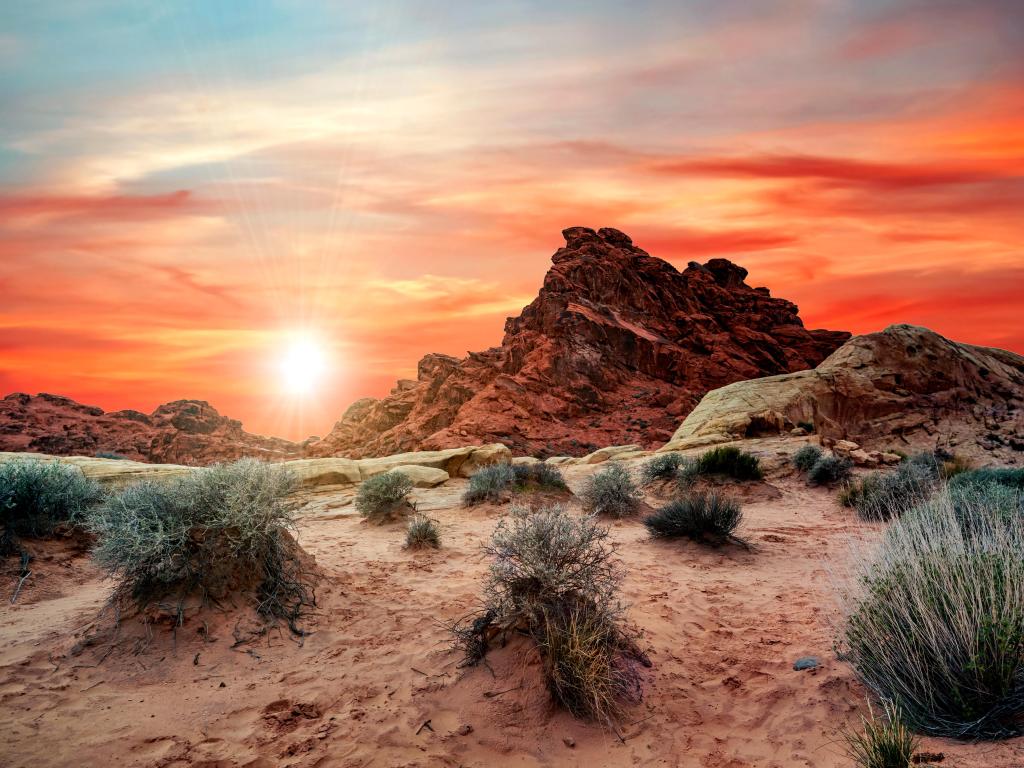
(110, 207)
(840, 171)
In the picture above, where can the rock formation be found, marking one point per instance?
(617, 346)
(182, 432)
(904, 387)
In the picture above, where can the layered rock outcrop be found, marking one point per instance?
(616, 348)
(902, 387)
(188, 432)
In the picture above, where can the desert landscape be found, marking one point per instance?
(739, 629)
(533, 385)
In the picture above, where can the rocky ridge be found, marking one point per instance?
(189, 432)
(617, 347)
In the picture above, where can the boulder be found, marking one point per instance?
(603, 454)
(423, 477)
(904, 386)
(315, 472)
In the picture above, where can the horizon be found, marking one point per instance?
(197, 202)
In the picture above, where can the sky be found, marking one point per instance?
(194, 195)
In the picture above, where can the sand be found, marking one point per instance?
(722, 627)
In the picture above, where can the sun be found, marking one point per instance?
(303, 365)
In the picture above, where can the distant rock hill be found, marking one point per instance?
(182, 432)
(904, 387)
(617, 347)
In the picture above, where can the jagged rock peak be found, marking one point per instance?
(616, 345)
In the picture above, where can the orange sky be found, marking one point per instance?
(185, 192)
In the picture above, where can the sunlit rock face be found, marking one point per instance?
(905, 387)
(616, 348)
(181, 432)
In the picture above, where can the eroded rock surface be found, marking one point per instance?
(616, 348)
(189, 432)
(904, 386)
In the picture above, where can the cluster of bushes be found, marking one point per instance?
(611, 492)
(822, 468)
(934, 618)
(724, 461)
(492, 482)
(728, 461)
(884, 495)
(554, 578)
(38, 499)
(208, 534)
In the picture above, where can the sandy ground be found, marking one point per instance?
(723, 628)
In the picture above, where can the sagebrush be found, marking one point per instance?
(883, 495)
(489, 483)
(662, 466)
(383, 496)
(611, 492)
(702, 516)
(493, 482)
(209, 534)
(934, 617)
(38, 497)
(805, 457)
(421, 533)
(555, 577)
(829, 469)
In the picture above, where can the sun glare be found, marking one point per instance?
(303, 366)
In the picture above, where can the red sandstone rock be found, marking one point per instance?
(182, 432)
(616, 348)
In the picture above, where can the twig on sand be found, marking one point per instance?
(492, 694)
(426, 724)
(25, 573)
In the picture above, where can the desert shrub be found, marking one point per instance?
(934, 619)
(883, 495)
(1009, 477)
(554, 577)
(708, 517)
(829, 469)
(971, 502)
(382, 496)
(538, 475)
(489, 483)
(662, 466)
(686, 475)
(38, 497)
(422, 532)
(956, 465)
(883, 742)
(730, 461)
(611, 492)
(210, 533)
(580, 645)
(806, 457)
